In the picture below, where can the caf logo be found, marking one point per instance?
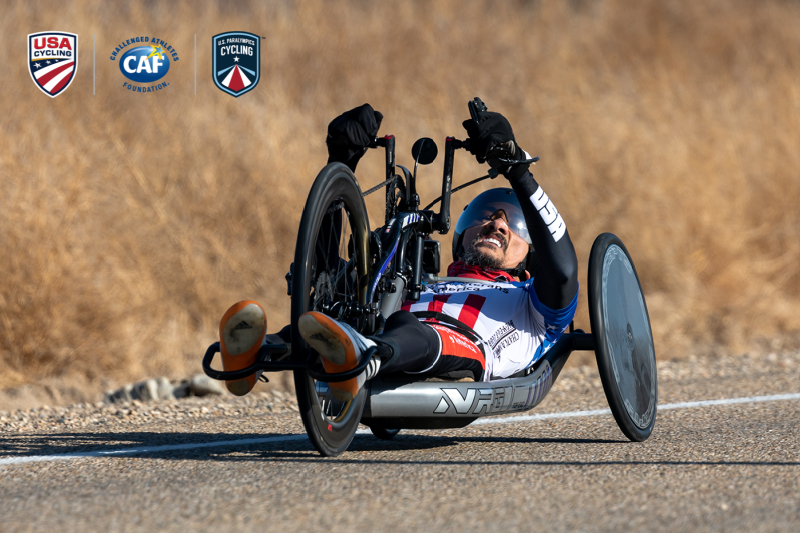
(236, 67)
(52, 60)
(145, 64)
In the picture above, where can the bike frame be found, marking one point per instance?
(403, 234)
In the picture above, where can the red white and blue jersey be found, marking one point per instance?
(516, 328)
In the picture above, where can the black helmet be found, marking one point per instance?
(482, 208)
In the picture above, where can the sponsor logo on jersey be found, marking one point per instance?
(53, 60)
(448, 287)
(145, 61)
(236, 64)
(504, 337)
(503, 331)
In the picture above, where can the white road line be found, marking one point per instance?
(528, 418)
(285, 438)
(751, 399)
(682, 405)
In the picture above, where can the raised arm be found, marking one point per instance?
(556, 279)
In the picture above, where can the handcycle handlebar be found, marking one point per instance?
(442, 220)
(412, 224)
(476, 106)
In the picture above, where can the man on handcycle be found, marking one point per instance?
(495, 327)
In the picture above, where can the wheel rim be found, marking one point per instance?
(331, 267)
(334, 283)
(332, 411)
(628, 336)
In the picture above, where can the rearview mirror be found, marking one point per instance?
(424, 151)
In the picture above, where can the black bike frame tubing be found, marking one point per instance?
(416, 269)
(443, 220)
(437, 222)
(398, 233)
(388, 144)
(411, 192)
(395, 232)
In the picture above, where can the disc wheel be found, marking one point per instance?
(330, 275)
(623, 338)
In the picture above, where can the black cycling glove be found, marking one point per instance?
(493, 136)
(351, 133)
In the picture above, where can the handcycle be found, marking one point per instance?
(361, 276)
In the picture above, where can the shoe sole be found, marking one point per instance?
(335, 347)
(241, 333)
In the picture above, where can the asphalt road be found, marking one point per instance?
(726, 467)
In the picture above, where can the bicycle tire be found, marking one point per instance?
(318, 278)
(623, 337)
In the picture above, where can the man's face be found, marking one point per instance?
(493, 244)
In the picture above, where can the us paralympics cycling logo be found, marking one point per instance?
(236, 67)
(145, 64)
(52, 60)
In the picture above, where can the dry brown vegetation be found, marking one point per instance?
(130, 222)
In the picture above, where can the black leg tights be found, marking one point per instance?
(409, 345)
(406, 342)
(414, 345)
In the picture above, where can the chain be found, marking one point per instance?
(378, 186)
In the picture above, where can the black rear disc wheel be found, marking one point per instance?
(330, 275)
(626, 356)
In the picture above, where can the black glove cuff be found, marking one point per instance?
(343, 155)
(515, 172)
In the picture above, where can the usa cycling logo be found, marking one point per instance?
(236, 67)
(145, 64)
(52, 60)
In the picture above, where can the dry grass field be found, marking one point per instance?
(129, 222)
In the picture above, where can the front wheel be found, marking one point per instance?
(623, 339)
(330, 275)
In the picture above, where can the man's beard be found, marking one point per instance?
(476, 257)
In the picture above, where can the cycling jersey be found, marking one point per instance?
(516, 328)
(514, 324)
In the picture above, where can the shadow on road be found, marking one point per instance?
(74, 443)
(100, 443)
(278, 447)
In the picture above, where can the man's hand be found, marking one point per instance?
(351, 133)
(492, 137)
